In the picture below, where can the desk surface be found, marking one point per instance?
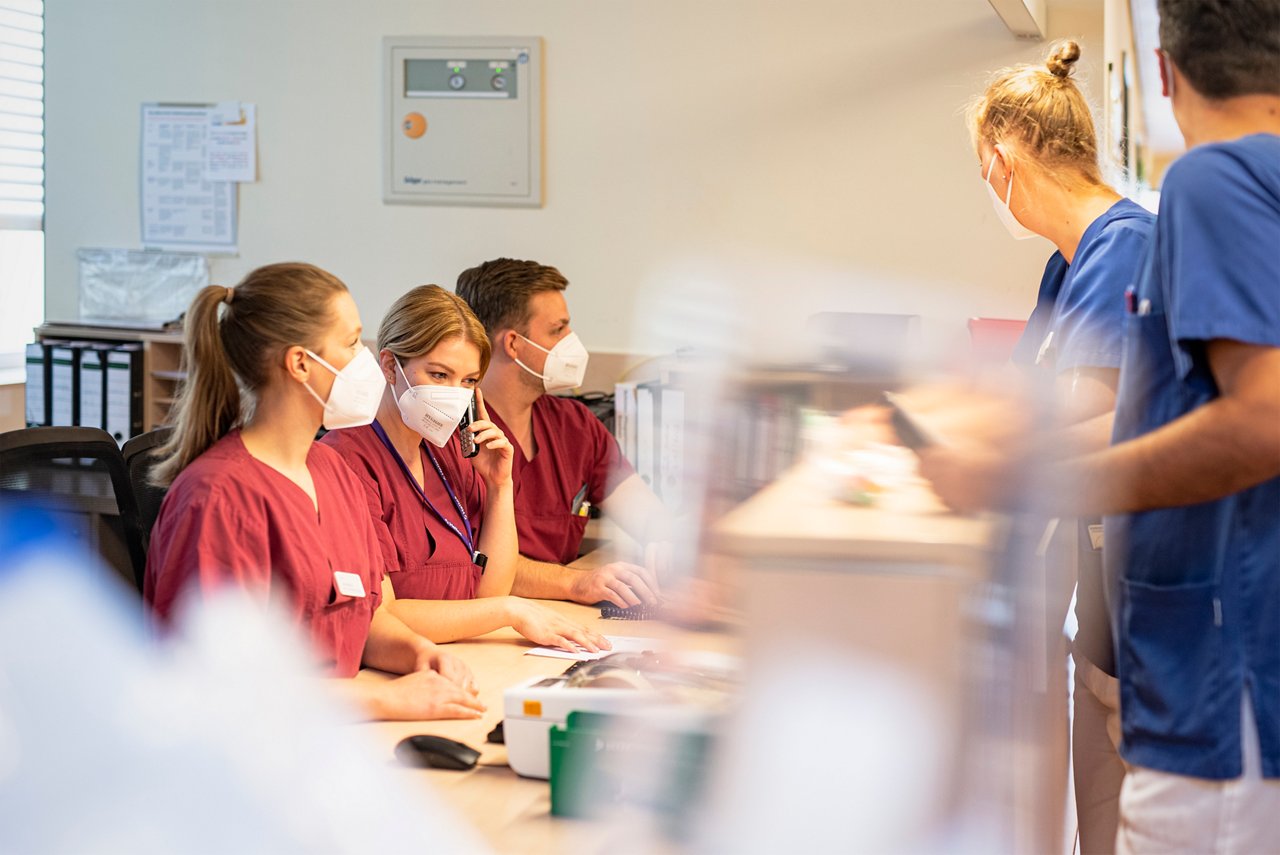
(511, 812)
(795, 518)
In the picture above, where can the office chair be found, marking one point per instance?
(79, 475)
(139, 457)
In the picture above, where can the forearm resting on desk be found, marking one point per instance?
(619, 583)
(392, 646)
(419, 696)
(451, 620)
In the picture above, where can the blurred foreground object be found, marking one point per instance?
(870, 605)
(221, 741)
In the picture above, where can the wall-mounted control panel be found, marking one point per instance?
(462, 121)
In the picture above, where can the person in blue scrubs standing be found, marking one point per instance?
(1193, 479)
(1195, 564)
(1038, 153)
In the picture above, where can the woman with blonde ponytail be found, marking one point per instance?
(254, 502)
(1038, 157)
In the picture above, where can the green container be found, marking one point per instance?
(594, 763)
(579, 785)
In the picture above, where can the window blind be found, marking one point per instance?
(21, 114)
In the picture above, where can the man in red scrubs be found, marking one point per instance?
(566, 461)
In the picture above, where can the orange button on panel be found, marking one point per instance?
(415, 125)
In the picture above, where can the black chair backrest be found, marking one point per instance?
(139, 457)
(77, 470)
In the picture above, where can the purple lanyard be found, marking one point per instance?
(467, 539)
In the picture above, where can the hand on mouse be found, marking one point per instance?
(424, 695)
(545, 626)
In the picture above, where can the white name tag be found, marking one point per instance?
(1045, 347)
(1095, 536)
(348, 584)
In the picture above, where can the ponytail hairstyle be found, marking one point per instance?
(1040, 112)
(233, 337)
(426, 316)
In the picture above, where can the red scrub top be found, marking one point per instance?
(578, 459)
(230, 519)
(426, 560)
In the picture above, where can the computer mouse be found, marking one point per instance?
(436, 752)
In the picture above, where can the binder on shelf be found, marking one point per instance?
(624, 419)
(37, 386)
(671, 435)
(124, 391)
(93, 385)
(646, 445)
(65, 386)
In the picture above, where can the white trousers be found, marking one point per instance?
(1161, 812)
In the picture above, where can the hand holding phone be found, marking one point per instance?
(469, 447)
(913, 434)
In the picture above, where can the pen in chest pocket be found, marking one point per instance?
(580, 506)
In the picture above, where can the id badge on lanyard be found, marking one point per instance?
(468, 540)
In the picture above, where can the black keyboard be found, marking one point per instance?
(643, 611)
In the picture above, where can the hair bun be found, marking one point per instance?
(1063, 58)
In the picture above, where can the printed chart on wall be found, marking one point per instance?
(192, 157)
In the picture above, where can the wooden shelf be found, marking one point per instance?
(161, 360)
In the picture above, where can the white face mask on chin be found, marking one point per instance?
(356, 392)
(566, 364)
(434, 412)
(1005, 214)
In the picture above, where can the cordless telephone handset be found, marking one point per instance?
(914, 435)
(469, 447)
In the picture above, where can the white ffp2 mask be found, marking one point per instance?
(566, 364)
(433, 411)
(1003, 211)
(355, 394)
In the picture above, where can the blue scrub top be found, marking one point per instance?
(1079, 322)
(1079, 318)
(1197, 588)
(1055, 271)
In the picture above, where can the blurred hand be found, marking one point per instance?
(968, 479)
(696, 602)
(867, 425)
(549, 628)
(620, 583)
(426, 695)
(493, 463)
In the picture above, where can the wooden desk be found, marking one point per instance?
(794, 519)
(886, 584)
(513, 813)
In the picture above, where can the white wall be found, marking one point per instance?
(815, 145)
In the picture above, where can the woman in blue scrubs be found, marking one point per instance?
(1038, 155)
